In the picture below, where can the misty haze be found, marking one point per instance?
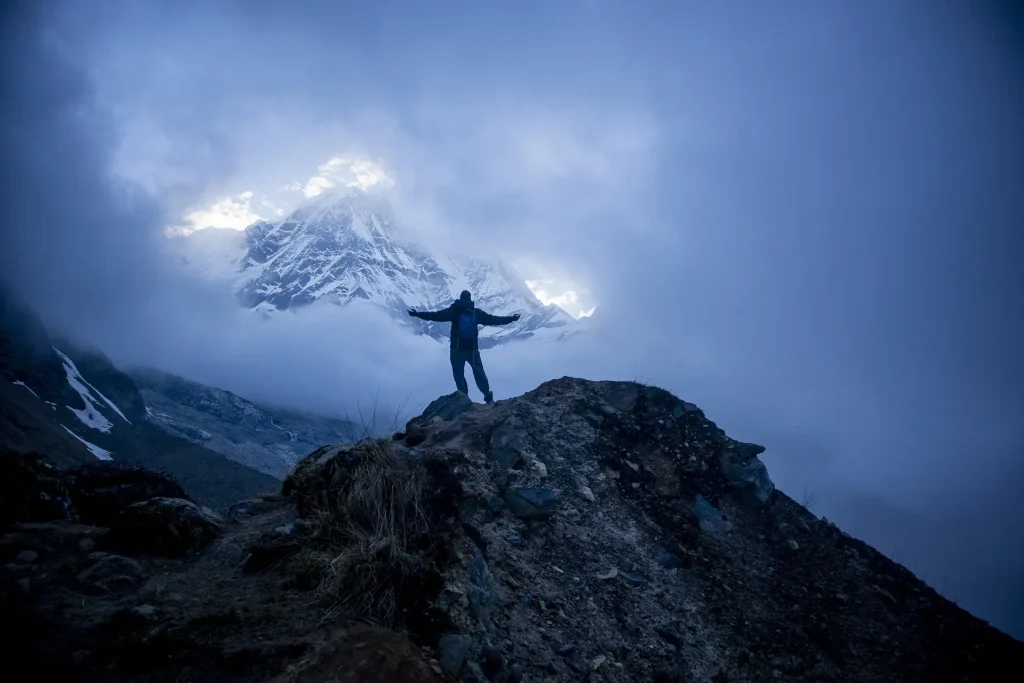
(745, 282)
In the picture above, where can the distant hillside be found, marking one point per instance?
(267, 439)
(73, 406)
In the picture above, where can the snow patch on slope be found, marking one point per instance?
(113, 406)
(100, 453)
(90, 416)
(22, 384)
(110, 403)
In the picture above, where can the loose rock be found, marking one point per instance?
(711, 520)
(492, 661)
(248, 508)
(532, 502)
(666, 559)
(445, 408)
(165, 526)
(111, 573)
(510, 443)
(750, 476)
(101, 491)
(27, 556)
(565, 650)
(452, 652)
(147, 612)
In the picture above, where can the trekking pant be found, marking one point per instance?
(459, 359)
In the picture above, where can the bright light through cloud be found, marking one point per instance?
(569, 299)
(348, 172)
(233, 212)
(237, 212)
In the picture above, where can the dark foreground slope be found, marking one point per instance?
(585, 531)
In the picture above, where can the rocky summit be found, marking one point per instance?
(586, 531)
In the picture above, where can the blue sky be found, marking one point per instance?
(803, 216)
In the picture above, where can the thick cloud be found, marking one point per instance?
(806, 221)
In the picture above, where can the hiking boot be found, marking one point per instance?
(489, 397)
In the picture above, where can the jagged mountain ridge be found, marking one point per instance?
(344, 247)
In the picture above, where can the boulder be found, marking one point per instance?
(622, 397)
(165, 526)
(481, 590)
(313, 474)
(268, 550)
(356, 654)
(531, 502)
(249, 508)
(27, 557)
(664, 558)
(682, 408)
(448, 432)
(319, 477)
(742, 468)
(111, 573)
(452, 652)
(746, 451)
(30, 489)
(711, 520)
(99, 492)
(509, 443)
(492, 661)
(446, 408)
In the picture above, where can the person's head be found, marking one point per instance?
(466, 296)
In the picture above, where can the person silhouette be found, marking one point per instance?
(466, 318)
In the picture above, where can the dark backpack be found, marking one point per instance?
(467, 325)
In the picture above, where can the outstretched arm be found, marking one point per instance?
(436, 316)
(488, 319)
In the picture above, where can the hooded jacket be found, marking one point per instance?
(451, 315)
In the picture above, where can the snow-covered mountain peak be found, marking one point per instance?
(350, 210)
(344, 245)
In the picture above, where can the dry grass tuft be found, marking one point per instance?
(370, 522)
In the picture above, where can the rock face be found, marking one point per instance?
(611, 530)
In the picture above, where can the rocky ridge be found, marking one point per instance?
(598, 531)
